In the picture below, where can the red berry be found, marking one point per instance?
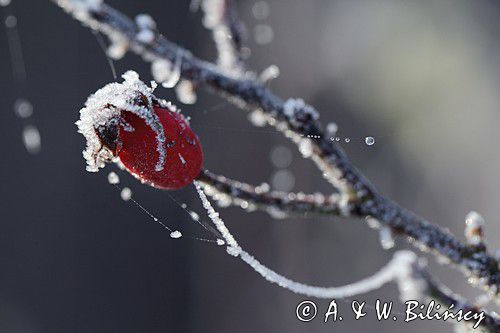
(183, 159)
(127, 123)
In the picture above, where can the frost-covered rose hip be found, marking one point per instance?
(126, 123)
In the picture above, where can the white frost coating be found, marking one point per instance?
(175, 234)
(145, 36)
(93, 4)
(294, 107)
(258, 118)
(474, 224)
(106, 105)
(306, 148)
(165, 72)
(145, 21)
(113, 178)
(403, 268)
(270, 73)
(214, 11)
(215, 19)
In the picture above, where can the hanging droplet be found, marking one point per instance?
(113, 178)
(126, 194)
(176, 234)
(31, 139)
(370, 140)
(23, 108)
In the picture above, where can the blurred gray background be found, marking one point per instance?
(421, 77)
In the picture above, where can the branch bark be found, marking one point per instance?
(298, 121)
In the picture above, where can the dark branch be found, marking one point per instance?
(300, 122)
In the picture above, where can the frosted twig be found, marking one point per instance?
(298, 121)
(227, 191)
(404, 268)
(227, 30)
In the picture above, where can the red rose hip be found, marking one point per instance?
(126, 123)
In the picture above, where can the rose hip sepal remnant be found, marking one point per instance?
(126, 123)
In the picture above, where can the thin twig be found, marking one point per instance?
(300, 122)
(405, 268)
(227, 30)
(231, 192)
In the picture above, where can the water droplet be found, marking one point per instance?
(281, 156)
(126, 194)
(370, 140)
(10, 21)
(263, 34)
(113, 178)
(347, 140)
(261, 10)
(194, 215)
(283, 180)
(4, 3)
(220, 242)
(31, 139)
(331, 129)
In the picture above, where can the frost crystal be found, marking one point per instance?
(258, 118)
(474, 224)
(270, 73)
(105, 107)
(297, 109)
(306, 148)
(144, 21)
(145, 36)
(386, 238)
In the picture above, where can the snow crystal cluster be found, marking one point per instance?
(106, 105)
(82, 8)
